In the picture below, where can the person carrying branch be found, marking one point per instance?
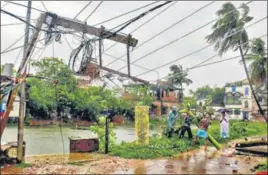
(187, 126)
(171, 119)
(203, 127)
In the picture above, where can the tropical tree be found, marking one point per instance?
(178, 76)
(229, 33)
(258, 61)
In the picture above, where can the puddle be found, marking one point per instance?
(194, 162)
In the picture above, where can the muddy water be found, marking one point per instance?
(195, 162)
(48, 140)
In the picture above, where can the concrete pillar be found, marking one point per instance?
(8, 69)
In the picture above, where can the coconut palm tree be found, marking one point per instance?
(179, 76)
(229, 33)
(258, 61)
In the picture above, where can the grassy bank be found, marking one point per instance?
(163, 147)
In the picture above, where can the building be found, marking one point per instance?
(165, 96)
(239, 100)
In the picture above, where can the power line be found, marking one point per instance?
(15, 16)
(11, 24)
(146, 22)
(18, 47)
(126, 13)
(94, 10)
(13, 44)
(4, 5)
(173, 41)
(82, 9)
(25, 6)
(166, 29)
(43, 4)
(201, 64)
(198, 49)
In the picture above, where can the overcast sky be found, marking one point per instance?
(216, 74)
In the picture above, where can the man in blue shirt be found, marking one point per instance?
(172, 116)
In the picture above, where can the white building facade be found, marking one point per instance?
(239, 100)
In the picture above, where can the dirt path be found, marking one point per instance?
(194, 162)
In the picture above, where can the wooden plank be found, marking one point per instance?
(82, 27)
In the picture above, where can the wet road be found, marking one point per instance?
(195, 162)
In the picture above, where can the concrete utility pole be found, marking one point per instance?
(20, 153)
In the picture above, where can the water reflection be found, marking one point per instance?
(47, 140)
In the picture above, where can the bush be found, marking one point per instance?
(99, 129)
(162, 146)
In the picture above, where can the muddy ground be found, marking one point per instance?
(194, 162)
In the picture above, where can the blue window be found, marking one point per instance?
(233, 88)
(246, 91)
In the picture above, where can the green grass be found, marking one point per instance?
(164, 147)
(263, 166)
(23, 165)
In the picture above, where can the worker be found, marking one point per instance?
(187, 126)
(171, 119)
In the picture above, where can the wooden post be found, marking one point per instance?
(106, 135)
(22, 109)
(128, 56)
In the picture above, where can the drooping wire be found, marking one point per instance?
(6, 49)
(11, 24)
(88, 46)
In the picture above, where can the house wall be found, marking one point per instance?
(246, 97)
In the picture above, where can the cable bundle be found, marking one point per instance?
(87, 48)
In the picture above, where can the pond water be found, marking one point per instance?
(48, 140)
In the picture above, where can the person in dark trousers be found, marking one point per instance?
(187, 127)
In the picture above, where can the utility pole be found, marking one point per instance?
(20, 150)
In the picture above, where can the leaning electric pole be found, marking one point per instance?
(20, 150)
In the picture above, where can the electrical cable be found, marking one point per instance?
(15, 16)
(88, 46)
(4, 5)
(201, 64)
(94, 10)
(13, 43)
(11, 24)
(82, 9)
(43, 4)
(134, 10)
(22, 5)
(173, 41)
(18, 47)
(146, 22)
(166, 29)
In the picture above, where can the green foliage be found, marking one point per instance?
(191, 101)
(142, 92)
(99, 129)
(263, 166)
(217, 94)
(179, 76)
(231, 20)
(162, 146)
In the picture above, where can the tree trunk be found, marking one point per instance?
(249, 81)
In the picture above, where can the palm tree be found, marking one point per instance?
(229, 33)
(178, 77)
(258, 61)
